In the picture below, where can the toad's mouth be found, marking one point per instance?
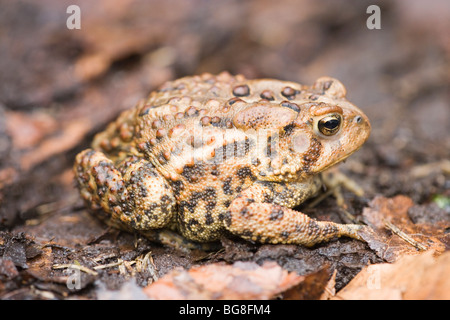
(298, 170)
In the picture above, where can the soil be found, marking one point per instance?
(60, 86)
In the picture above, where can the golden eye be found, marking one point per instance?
(330, 125)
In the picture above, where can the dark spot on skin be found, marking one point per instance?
(146, 110)
(233, 101)
(210, 205)
(330, 229)
(227, 218)
(209, 219)
(149, 213)
(191, 223)
(291, 105)
(268, 198)
(288, 129)
(267, 94)
(227, 189)
(209, 193)
(285, 234)
(289, 93)
(276, 214)
(313, 228)
(226, 203)
(165, 203)
(244, 211)
(241, 91)
(188, 205)
(244, 172)
(177, 186)
(193, 173)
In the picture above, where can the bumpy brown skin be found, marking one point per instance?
(208, 154)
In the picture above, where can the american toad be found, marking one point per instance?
(206, 155)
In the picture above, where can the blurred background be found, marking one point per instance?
(58, 87)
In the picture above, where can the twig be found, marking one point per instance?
(109, 265)
(74, 266)
(403, 235)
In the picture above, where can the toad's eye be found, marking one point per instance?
(330, 124)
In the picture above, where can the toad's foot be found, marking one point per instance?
(334, 180)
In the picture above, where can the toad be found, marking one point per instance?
(209, 155)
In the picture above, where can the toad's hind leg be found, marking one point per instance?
(131, 196)
(252, 219)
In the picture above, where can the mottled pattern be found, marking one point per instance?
(206, 155)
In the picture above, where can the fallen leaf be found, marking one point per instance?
(241, 280)
(311, 288)
(417, 277)
(71, 135)
(330, 288)
(27, 130)
(41, 267)
(395, 234)
(15, 247)
(8, 269)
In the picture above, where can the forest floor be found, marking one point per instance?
(59, 87)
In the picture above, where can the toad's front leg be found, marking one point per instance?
(253, 218)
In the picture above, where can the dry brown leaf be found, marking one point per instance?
(242, 280)
(330, 288)
(389, 244)
(311, 288)
(27, 130)
(69, 137)
(411, 277)
(41, 267)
